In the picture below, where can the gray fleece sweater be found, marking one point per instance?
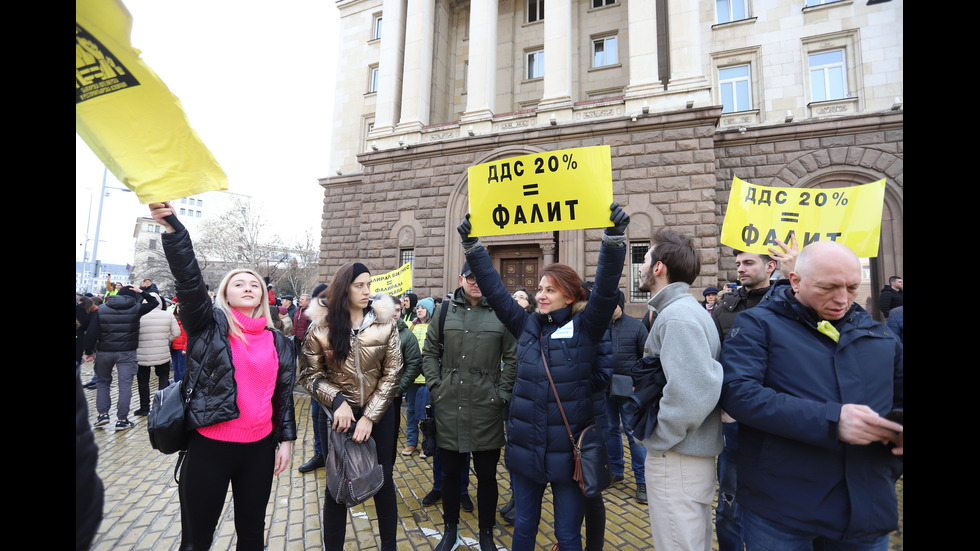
(686, 339)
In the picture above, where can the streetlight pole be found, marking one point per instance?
(98, 226)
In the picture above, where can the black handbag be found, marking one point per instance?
(592, 470)
(353, 471)
(621, 386)
(166, 423)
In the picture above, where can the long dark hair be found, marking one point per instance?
(337, 297)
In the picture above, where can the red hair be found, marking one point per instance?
(566, 280)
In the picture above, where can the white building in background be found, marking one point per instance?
(84, 281)
(193, 212)
(688, 94)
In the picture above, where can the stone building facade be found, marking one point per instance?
(679, 125)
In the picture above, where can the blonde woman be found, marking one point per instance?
(239, 381)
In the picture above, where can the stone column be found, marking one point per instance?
(558, 61)
(644, 81)
(481, 87)
(685, 47)
(547, 253)
(417, 85)
(390, 66)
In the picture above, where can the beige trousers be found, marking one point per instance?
(680, 489)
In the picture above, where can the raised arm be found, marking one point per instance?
(192, 293)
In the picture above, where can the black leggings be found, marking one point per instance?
(335, 514)
(485, 464)
(205, 473)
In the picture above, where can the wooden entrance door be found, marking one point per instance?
(519, 272)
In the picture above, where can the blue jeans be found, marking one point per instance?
(417, 397)
(315, 412)
(727, 525)
(569, 512)
(177, 359)
(614, 442)
(760, 534)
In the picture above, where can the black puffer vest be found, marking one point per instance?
(119, 324)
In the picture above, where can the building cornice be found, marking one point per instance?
(811, 128)
(542, 134)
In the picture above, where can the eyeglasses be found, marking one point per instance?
(521, 296)
(471, 279)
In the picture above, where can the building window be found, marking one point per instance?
(151, 244)
(601, 3)
(373, 83)
(535, 64)
(183, 211)
(828, 75)
(367, 126)
(200, 202)
(730, 10)
(408, 255)
(735, 86)
(604, 52)
(638, 253)
(376, 28)
(535, 10)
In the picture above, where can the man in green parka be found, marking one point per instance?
(470, 378)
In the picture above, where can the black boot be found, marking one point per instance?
(450, 538)
(510, 505)
(486, 540)
(313, 464)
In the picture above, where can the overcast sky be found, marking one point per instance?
(256, 79)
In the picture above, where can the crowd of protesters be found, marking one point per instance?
(519, 373)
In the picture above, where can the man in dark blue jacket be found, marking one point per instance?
(115, 327)
(627, 336)
(809, 375)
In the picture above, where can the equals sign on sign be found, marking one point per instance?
(531, 189)
(789, 217)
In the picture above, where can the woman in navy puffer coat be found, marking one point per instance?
(569, 328)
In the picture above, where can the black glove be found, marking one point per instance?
(619, 218)
(464, 229)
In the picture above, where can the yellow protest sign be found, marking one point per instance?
(129, 117)
(394, 282)
(758, 215)
(559, 190)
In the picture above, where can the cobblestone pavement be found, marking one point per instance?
(142, 509)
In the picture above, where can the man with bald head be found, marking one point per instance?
(810, 377)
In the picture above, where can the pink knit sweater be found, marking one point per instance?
(256, 369)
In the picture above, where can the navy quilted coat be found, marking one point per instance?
(538, 445)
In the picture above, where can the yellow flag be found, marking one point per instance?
(129, 118)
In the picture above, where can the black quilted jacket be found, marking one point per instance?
(210, 376)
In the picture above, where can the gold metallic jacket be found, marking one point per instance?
(369, 377)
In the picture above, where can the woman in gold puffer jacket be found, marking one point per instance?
(351, 364)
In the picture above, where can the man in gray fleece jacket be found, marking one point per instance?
(680, 463)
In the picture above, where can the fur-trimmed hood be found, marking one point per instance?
(382, 305)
